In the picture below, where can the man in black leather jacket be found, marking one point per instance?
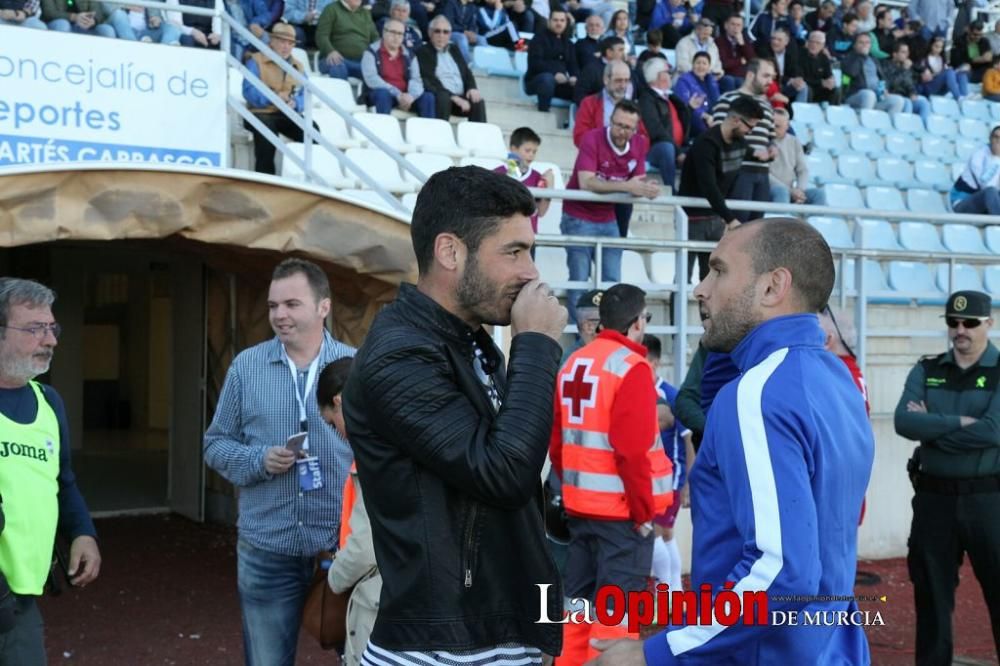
(449, 446)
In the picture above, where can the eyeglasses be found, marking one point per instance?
(969, 324)
(398, 33)
(39, 330)
(441, 31)
(745, 123)
(625, 128)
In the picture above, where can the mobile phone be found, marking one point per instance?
(295, 442)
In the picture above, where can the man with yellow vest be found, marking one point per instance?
(615, 473)
(37, 485)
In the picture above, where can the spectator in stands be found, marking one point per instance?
(841, 39)
(391, 75)
(284, 86)
(464, 25)
(552, 68)
(674, 18)
(22, 13)
(447, 76)
(937, 76)
(699, 90)
(971, 53)
(344, 32)
(260, 17)
(592, 75)
(752, 183)
(667, 119)
(796, 22)
(901, 79)
(843, 9)
(934, 14)
(991, 81)
(82, 16)
(710, 171)
(720, 10)
(977, 190)
(611, 159)
(994, 38)
(735, 51)
(588, 49)
(866, 17)
(774, 15)
(654, 48)
(619, 26)
(789, 171)
(304, 15)
(817, 70)
(521, 14)
(495, 27)
(822, 18)
(595, 110)
(885, 31)
(788, 70)
(863, 81)
(400, 10)
(199, 31)
(147, 25)
(524, 143)
(913, 36)
(699, 41)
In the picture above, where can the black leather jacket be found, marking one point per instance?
(452, 487)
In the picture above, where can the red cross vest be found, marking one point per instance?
(586, 390)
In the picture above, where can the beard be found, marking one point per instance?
(25, 368)
(486, 300)
(729, 326)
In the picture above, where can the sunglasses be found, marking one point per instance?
(439, 31)
(969, 324)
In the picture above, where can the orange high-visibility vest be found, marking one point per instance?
(586, 387)
(348, 505)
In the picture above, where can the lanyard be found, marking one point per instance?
(310, 378)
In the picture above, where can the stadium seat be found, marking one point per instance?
(663, 267)
(494, 61)
(908, 123)
(802, 132)
(236, 86)
(431, 135)
(521, 62)
(866, 141)
(386, 128)
(966, 277)
(334, 128)
(942, 126)
(810, 114)
(482, 139)
(991, 280)
(974, 129)
(542, 167)
(976, 108)
(823, 170)
(490, 163)
(992, 234)
(303, 57)
(324, 165)
(876, 120)
(845, 196)
(956, 170)
(902, 145)
(382, 168)
(938, 148)
(856, 168)
(920, 237)
(933, 174)
(896, 172)
(914, 279)
(833, 229)
(551, 263)
(875, 235)
(884, 198)
(925, 201)
(841, 116)
(671, 55)
(410, 200)
(370, 197)
(428, 163)
(340, 91)
(995, 111)
(945, 106)
(830, 139)
(964, 147)
(963, 238)
(634, 270)
(875, 283)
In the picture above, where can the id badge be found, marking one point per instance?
(310, 474)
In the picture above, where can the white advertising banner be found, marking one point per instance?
(70, 98)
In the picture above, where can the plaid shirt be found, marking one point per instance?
(257, 410)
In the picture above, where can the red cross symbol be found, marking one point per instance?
(579, 389)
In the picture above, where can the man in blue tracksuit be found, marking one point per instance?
(777, 485)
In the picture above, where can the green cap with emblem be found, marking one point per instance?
(968, 304)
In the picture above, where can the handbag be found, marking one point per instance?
(324, 616)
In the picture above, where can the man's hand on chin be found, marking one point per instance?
(618, 652)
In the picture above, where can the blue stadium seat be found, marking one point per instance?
(830, 139)
(876, 235)
(856, 169)
(991, 280)
(956, 170)
(867, 141)
(938, 148)
(902, 145)
(834, 230)
(494, 61)
(976, 108)
(925, 201)
(966, 277)
(810, 114)
(995, 111)
(845, 196)
(521, 62)
(915, 280)
(877, 120)
(823, 170)
(942, 126)
(896, 172)
(876, 286)
(908, 123)
(964, 147)
(945, 106)
(671, 55)
(974, 129)
(884, 198)
(993, 241)
(920, 237)
(963, 238)
(841, 116)
(802, 131)
(934, 174)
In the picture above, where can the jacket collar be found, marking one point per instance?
(989, 359)
(615, 336)
(798, 330)
(423, 309)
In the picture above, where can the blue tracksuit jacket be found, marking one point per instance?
(776, 493)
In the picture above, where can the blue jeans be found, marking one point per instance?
(273, 591)
(751, 185)
(984, 202)
(957, 83)
(663, 156)
(101, 30)
(579, 259)
(459, 39)
(867, 99)
(345, 69)
(781, 194)
(383, 101)
(544, 85)
(30, 22)
(165, 34)
(920, 106)
(730, 82)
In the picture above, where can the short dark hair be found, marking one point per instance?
(702, 54)
(523, 135)
(610, 43)
(315, 275)
(746, 107)
(469, 202)
(849, 18)
(652, 345)
(654, 37)
(734, 15)
(900, 44)
(620, 306)
(784, 30)
(791, 243)
(977, 26)
(332, 380)
(626, 105)
(755, 64)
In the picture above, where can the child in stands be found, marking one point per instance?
(524, 144)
